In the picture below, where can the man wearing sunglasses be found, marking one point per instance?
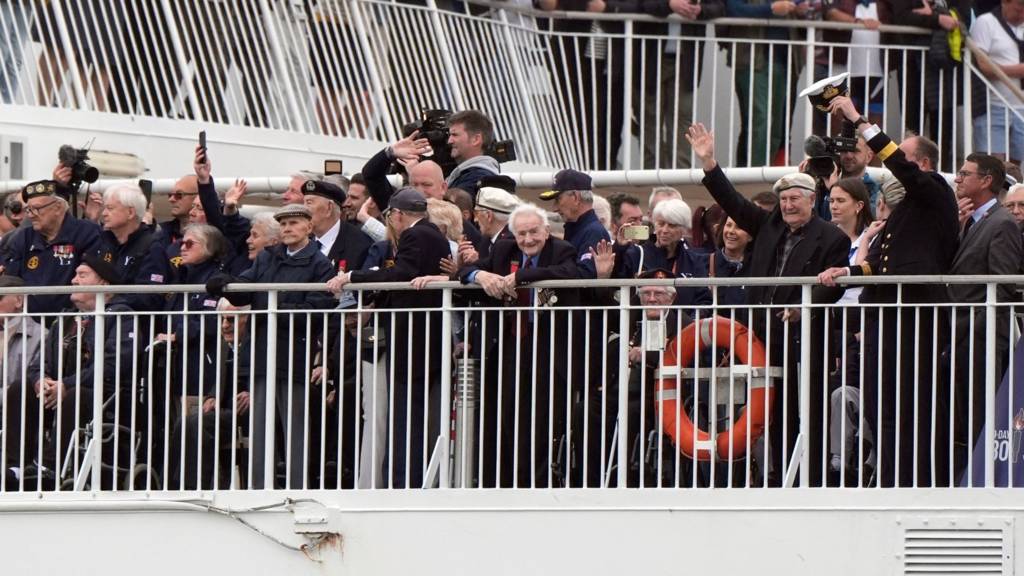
(180, 202)
(47, 253)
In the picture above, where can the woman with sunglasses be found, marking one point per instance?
(190, 327)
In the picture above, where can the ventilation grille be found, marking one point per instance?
(942, 547)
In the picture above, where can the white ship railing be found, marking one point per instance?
(363, 68)
(600, 416)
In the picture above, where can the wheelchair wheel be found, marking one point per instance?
(143, 477)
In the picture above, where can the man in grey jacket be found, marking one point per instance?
(470, 134)
(990, 243)
(20, 335)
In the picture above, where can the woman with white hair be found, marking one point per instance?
(668, 250)
(264, 232)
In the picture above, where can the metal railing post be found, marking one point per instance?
(371, 66)
(283, 70)
(446, 387)
(99, 345)
(808, 109)
(524, 91)
(968, 129)
(270, 422)
(990, 383)
(446, 56)
(622, 446)
(805, 384)
(627, 101)
(179, 55)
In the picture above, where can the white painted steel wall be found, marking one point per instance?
(846, 533)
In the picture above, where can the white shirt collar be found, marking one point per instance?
(327, 240)
(980, 212)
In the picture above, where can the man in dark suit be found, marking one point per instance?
(527, 355)
(421, 247)
(990, 244)
(790, 241)
(343, 243)
(919, 238)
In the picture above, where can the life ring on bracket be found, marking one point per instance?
(676, 423)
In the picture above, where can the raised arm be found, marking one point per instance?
(746, 214)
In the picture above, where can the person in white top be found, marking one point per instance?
(850, 205)
(1000, 35)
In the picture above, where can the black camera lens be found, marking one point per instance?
(14, 207)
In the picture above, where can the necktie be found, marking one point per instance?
(967, 226)
(523, 294)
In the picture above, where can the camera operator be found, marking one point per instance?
(854, 164)
(919, 237)
(470, 133)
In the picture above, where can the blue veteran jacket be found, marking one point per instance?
(140, 260)
(274, 264)
(42, 263)
(584, 234)
(685, 264)
(197, 334)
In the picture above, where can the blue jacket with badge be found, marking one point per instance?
(586, 233)
(196, 333)
(140, 260)
(685, 264)
(42, 263)
(308, 265)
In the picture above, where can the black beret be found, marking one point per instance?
(38, 188)
(657, 274)
(327, 190)
(497, 181)
(102, 262)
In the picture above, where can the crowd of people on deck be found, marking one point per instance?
(356, 374)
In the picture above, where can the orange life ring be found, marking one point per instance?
(676, 423)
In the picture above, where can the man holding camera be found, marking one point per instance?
(920, 237)
(470, 133)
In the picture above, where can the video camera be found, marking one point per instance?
(822, 153)
(434, 126)
(81, 171)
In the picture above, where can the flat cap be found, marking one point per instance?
(9, 281)
(794, 180)
(565, 181)
(325, 189)
(496, 200)
(292, 211)
(408, 200)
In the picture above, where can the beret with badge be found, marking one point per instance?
(324, 189)
(102, 263)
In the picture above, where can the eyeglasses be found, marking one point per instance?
(14, 207)
(35, 210)
(965, 173)
(189, 243)
(178, 194)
